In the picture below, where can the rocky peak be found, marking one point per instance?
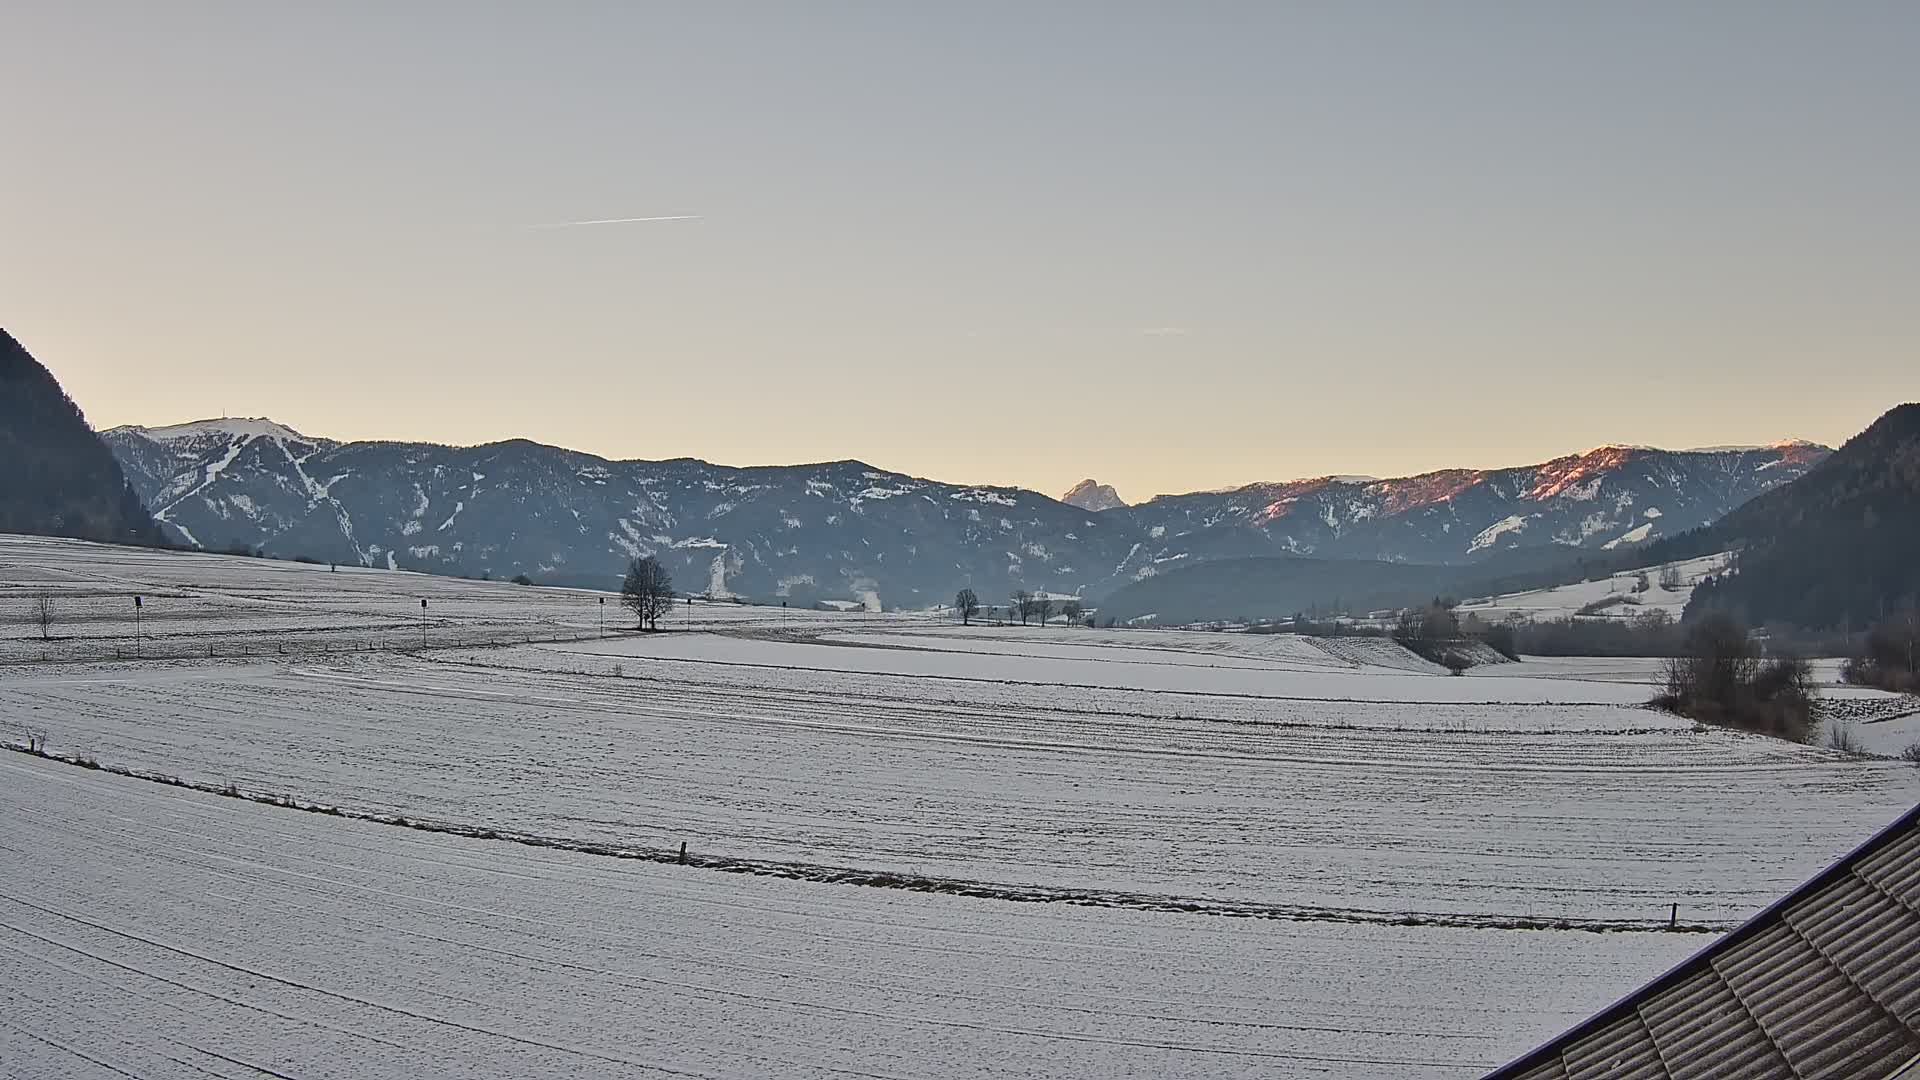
(1091, 495)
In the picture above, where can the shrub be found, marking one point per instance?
(1911, 755)
(1890, 656)
(1600, 606)
(1842, 737)
(1504, 639)
(1455, 663)
(1426, 630)
(1718, 678)
(522, 579)
(1650, 633)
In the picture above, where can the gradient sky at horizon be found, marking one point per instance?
(1170, 246)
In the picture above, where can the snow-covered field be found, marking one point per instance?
(196, 605)
(1618, 593)
(1314, 674)
(153, 932)
(1380, 828)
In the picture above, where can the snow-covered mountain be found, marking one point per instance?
(1608, 497)
(838, 530)
(1091, 495)
(845, 530)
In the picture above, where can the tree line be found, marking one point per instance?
(1023, 605)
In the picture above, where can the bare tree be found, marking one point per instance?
(648, 591)
(43, 612)
(1043, 607)
(1890, 656)
(1426, 630)
(967, 604)
(1669, 579)
(1022, 603)
(1718, 659)
(1072, 611)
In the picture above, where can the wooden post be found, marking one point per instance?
(683, 853)
(1673, 919)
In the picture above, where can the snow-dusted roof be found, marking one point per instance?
(1825, 983)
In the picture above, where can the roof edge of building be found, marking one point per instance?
(1546, 1051)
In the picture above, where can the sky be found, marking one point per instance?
(1170, 246)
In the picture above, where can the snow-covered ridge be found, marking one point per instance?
(1783, 444)
(238, 427)
(575, 518)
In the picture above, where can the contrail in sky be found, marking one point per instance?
(615, 221)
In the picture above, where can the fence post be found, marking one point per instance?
(1673, 919)
(683, 853)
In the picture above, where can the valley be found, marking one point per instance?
(1205, 845)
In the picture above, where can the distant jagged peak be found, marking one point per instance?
(237, 427)
(1091, 495)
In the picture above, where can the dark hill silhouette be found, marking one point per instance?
(56, 477)
(1838, 548)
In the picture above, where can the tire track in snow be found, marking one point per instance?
(887, 879)
(322, 991)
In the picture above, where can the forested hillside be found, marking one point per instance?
(1837, 549)
(56, 477)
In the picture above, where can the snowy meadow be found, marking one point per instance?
(912, 848)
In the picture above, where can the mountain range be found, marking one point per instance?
(846, 530)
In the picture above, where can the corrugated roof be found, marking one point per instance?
(1824, 983)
